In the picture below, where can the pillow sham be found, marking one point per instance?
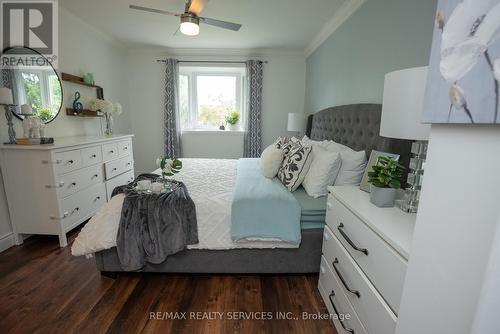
(295, 166)
(353, 162)
(323, 171)
(270, 161)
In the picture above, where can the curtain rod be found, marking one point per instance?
(211, 61)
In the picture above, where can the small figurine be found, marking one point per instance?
(77, 106)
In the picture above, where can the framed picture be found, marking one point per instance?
(463, 84)
(364, 185)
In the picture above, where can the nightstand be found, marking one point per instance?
(363, 266)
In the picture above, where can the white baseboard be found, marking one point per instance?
(6, 241)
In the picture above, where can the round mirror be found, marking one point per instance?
(34, 83)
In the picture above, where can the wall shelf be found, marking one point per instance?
(79, 81)
(84, 113)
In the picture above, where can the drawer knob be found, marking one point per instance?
(334, 264)
(59, 218)
(125, 148)
(332, 294)
(73, 184)
(70, 162)
(340, 228)
(329, 205)
(94, 176)
(75, 210)
(59, 185)
(93, 156)
(111, 152)
(97, 198)
(114, 169)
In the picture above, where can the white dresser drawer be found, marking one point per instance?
(80, 179)
(82, 204)
(91, 156)
(372, 310)
(124, 148)
(383, 266)
(118, 166)
(109, 151)
(120, 180)
(68, 161)
(337, 303)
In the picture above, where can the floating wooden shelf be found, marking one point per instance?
(84, 113)
(79, 81)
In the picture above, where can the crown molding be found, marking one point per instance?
(340, 16)
(214, 52)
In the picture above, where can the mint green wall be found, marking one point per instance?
(381, 36)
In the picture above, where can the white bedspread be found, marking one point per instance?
(210, 183)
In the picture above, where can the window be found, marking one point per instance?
(208, 94)
(41, 90)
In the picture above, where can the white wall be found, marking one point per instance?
(212, 144)
(283, 92)
(81, 49)
(454, 235)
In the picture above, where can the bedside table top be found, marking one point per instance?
(391, 224)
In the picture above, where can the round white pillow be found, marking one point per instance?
(270, 161)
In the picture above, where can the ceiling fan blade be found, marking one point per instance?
(221, 24)
(197, 6)
(153, 10)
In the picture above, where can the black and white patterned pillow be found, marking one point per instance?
(295, 165)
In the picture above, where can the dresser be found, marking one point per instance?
(52, 189)
(363, 265)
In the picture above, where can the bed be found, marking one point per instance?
(356, 126)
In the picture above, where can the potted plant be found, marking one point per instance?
(232, 119)
(385, 179)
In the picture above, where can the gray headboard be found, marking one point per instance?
(356, 126)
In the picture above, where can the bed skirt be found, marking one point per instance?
(305, 259)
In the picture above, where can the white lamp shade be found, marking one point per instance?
(26, 109)
(403, 104)
(6, 96)
(295, 122)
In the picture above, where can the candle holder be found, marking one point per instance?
(8, 116)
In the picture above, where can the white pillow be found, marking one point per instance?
(323, 171)
(295, 166)
(353, 162)
(270, 161)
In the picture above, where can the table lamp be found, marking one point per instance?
(295, 122)
(402, 108)
(6, 100)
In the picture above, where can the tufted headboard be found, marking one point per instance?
(356, 126)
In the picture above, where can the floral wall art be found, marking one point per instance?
(464, 71)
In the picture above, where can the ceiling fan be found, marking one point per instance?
(190, 19)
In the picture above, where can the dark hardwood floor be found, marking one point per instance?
(43, 289)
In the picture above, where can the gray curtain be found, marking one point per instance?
(172, 119)
(253, 131)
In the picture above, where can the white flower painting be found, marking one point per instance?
(464, 71)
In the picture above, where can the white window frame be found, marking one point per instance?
(44, 86)
(192, 74)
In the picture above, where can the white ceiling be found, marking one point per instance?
(267, 24)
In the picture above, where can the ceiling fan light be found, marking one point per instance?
(190, 28)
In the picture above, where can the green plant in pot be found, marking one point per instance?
(232, 120)
(385, 179)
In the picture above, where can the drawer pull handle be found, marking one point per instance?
(330, 296)
(47, 162)
(355, 292)
(59, 218)
(59, 185)
(349, 241)
(75, 210)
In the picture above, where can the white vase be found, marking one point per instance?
(234, 127)
(382, 197)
